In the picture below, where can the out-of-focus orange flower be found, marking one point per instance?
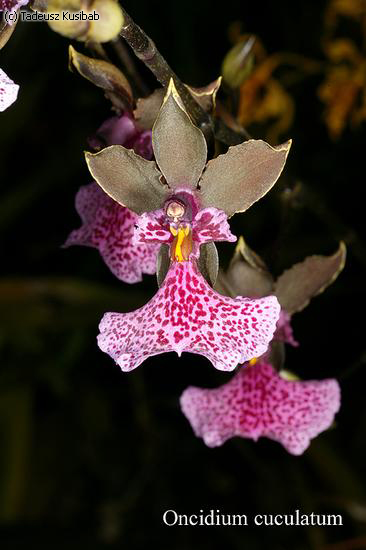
(343, 89)
(260, 91)
(263, 99)
(355, 9)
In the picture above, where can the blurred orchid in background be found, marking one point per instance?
(107, 225)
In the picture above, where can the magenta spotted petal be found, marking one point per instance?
(152, 227)
(8, 91)
(187, 315)
(208, 225)
(109, 227)
(258, 402)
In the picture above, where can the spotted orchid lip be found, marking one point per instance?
(258, 402)
(186, 314)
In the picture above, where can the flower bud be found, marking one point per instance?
(104, 75)
(238, 63)
(101, 20)
(110, 21)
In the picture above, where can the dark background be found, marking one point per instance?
(91, 456)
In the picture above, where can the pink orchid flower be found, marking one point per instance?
(184, 206)
(106, 225)
(258, 402)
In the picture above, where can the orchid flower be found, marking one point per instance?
(258, 401)
(108, 226)
(184, 207)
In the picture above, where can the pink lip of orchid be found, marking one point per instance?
(178, 208)
(108, 226)
(187, 315)
(257, 402)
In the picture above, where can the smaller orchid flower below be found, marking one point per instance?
(258, 402)
(8, 91)
(107, 225)
(184, 207)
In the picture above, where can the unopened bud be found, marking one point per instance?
(110, 22)
(104, 75)
(94, 21)
(238, 63)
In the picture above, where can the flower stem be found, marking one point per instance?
(145, 49)
(125, 58)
